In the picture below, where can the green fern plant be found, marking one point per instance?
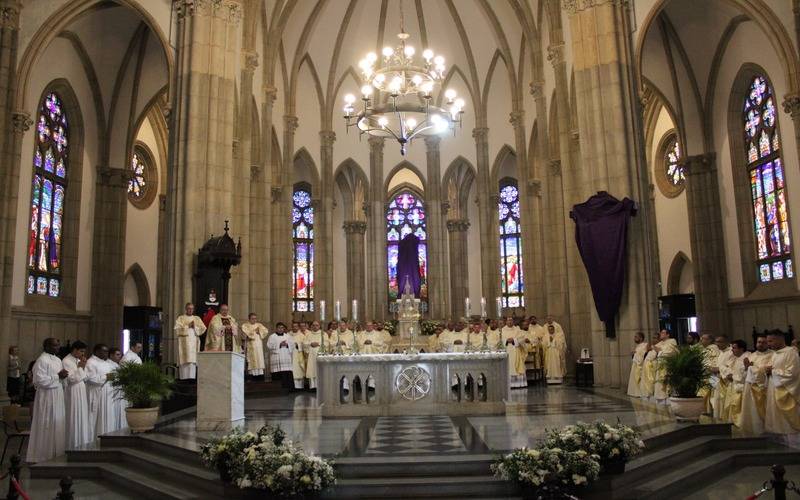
(142, 385)
(686, 372)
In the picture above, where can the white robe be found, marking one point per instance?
(130, 357)
(101, 395)
(80, 429)
(665, 348)
(724, 362)
(311, 356)
(280, 358)
(786, 377)
(188, 344)
(555, 349)
(755, 387)
(637, 371)
(48, 437)
(120, 404)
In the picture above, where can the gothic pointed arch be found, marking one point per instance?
(136, 273)
(676, 270)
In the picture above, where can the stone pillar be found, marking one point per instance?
(438, 296)
(261, 220)
(323, 227)
(201, 177)
(356, 260)
(612, 158)
(378, 299)
(12, 128)
(108, 254)
(707, 243)
(459, 268)
(281, 263)
(487, 217)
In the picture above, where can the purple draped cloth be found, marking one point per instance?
(408, 264)
(601, 228)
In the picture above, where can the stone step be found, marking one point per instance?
(162, 445)
(424, 487)
(413, 466)
(683, 433)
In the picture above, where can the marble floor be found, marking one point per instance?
(531, 411)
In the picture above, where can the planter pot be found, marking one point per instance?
(610, 467)
(687, 409)
(255, 494)
(141, 419)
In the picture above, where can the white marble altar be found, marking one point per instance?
(220, 390)
(413, 384)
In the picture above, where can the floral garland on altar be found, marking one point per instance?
(265, 460)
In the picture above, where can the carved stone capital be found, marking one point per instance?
(555, 54)
(255, 171)
(555, 167)
(291, 123)
(270, 93)
(327, 138)
(114, 177)
(699, 164)
(457, 225)
(249, 60)
(9, 14)
(516, 118)
(376, 143)
(537, 89)
(354, 227)
(480, 133)
(229, 10)
(277, 193)
(21, 120)
(535, 187)
(445, 207)
(791, 105)
(432, 142)
(575, 6)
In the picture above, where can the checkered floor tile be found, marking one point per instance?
(414, 435)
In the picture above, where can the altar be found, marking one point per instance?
(474, 383)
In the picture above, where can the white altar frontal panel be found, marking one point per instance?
(407, 384)
(220, 391)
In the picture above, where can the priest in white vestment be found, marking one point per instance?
(79, 425)
(372, 341)
(48, 436)
(345, 338)
(736, 377)
(666, 346)
(455, 340)
(434, 340)
(533, 344)
(512, 340)
(188, 329)
(555, 350)
(132, 355)
(635, 388)
(298, 356)
(721, 369)
(783, 392)
(223, 332)
(254, 335)
(280, 346)
(711, 353)
(649, 369)
(311, 346)
(754, 395)
(101, 394)
(120, 404)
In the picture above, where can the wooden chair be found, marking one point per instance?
(12, 429)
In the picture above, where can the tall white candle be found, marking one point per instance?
(355, 310)
(322, 311)
(499, 302)
(483, 307)
(466, 308)
(337, 310)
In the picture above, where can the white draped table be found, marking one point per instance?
(474, 383)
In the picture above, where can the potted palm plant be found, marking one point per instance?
(686, 373)
(143, 386)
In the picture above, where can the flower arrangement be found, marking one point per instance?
(390, 326)
(612, 443)
(265, 460)
(428, 326)
(548, 468)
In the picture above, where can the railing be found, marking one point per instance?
(15, 491)
(778, 485)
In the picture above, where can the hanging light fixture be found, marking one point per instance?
(406, 111)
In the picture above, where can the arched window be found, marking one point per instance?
(510, 245)
(767, 182)
(50, 164)
(142, 186)
(672, 167)
(406, 215)
(303, 248)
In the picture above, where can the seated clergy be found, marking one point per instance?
(372, 341)
(783, 392)
(280, 346)
(736, 376)
(665, 347)
(311, 347)
(254, 335)
(721, 369)
(223, 332)
(637, 362)
(754, 394)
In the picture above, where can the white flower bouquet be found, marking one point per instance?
(612, 443)
(546, 468)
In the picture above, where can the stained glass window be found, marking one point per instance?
(406, 215)
(303, 249)
(767, 183)
(672, 156)
(511, 286)
(139, 183)
(48, 194)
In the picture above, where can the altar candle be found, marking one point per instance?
(354, 310)
(337, 311)
(466, 308)
(499, 302)
(483, 307)
(322, 311)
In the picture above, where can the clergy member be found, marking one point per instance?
(101, 394)
(120, 404)
(311, 346)
(754, 395)
(783, 392)
(555, 350)
(344, 338)
(188, 329)
(132, 356)
(434, 342)
(736, 377)
(666, 346)
(48, 436)
(372, 341)
(649, 369)
(512, 339)
(720, 369)
(254, 335)
(298, 357)
(456, 339)
(223, 332)
(280, 346)
(79, 426)
(711, 353)
(637, 362)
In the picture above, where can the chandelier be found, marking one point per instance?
(407, 87)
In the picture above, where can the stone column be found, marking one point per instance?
(459, 268)
(378, 281)
(543, 232)
(281, 263)
(201, 177)
(438, 296)
(323, 227)
(707, 243)
(261, 220)
(108, 254)
(354, 234)
(12, 128)
(487, 217)
(612, 158)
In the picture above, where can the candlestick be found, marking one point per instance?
(322, 312)
(355, 310)
(337, 310)
(483, 307)
(466, 307)
(499, 303)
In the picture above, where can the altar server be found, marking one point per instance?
(720, 369)
(254, 335)
(281, 346)
(48, 436)
(101, 394)
(754, 394)
(666, 346)
(783, 392)
(298, 356)
(511, 338)
(132, 356)
(311, 346)
(372, 341)
(736, 377)
(555, 350)
(223, 332)
(79, 426)
(120, 418)
(188, 329)
(637, 365)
